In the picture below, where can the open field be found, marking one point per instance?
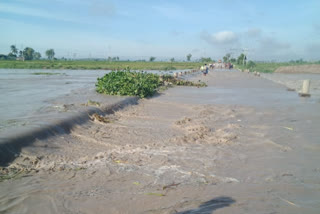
(265, 67)
(97, 65)
(270, 67)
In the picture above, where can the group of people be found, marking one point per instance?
(205, 69)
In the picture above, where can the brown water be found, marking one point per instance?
(242, 145)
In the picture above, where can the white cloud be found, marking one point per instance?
(220, 38)
(224, 37)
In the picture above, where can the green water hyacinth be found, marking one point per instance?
(128, 83)
(141, 84)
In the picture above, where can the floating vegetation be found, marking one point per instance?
(129, 83)
(93, 103)
(141, 84)
(99, 118)
(6, 174)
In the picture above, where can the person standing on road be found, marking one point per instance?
(205, 69)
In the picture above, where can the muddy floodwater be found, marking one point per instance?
(244, 144)
(25, 92)
(30, 99)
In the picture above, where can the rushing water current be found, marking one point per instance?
(28, 97)
(24, 92)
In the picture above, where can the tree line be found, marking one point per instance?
(26, 54)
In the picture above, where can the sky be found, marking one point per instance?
(265, 29)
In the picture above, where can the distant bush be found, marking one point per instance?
(251, 64)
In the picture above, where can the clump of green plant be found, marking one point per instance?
(174, 81)
(128, 82)
(141, 84)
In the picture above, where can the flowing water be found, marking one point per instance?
(23, 93)
(31, 98)
(244, 144)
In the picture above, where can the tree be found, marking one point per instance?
(50, 54)
(226, 58)
(36, 55)
(189, 57)
(203, 59)
(3, 57)
(28, 53)
(241, 59)
(11, 56)
(14, 50)
(152, 59)
(233, 60)
(172, 60)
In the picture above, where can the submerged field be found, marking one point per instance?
(97, 65)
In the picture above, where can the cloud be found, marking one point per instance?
(312, 50)
(25, 11)
(101, 8)
(220, 38)
(195, 50)
(254, 32)
(272, 44)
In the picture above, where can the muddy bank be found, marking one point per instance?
(242, 145)
(312, 69)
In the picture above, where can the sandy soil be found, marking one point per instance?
(188, 150)
(314, 69)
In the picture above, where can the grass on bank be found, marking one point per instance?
(141, 84)
(270, 67)
(97, 65)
